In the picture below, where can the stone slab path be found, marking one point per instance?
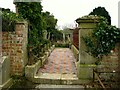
(60, 61)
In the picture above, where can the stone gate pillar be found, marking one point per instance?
(86, 62)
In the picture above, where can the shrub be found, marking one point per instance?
(102, 40)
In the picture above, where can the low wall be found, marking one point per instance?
(75, 52)
(85, 71)
(31, 70)
(110, 63)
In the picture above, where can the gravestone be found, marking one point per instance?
(45, 34)
(5, 80)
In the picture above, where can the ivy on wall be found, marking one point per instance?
(102, 40)
(37, 43)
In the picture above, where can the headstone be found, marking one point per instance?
(45, 34)
(5, 80)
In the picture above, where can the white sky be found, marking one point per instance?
(67, 11)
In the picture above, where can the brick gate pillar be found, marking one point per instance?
(21, 31)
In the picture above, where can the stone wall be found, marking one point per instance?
(14, 44)
(75, 52)
(110, 63)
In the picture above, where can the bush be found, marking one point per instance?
(102, 40)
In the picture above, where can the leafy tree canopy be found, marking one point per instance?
(31, 11)
(50, 21)
(51, 24)
(38, 21)
(101, 11)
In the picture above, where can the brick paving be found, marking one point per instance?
(60, 61)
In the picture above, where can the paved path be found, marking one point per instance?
(61, 61)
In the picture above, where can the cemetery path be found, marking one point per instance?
(60, 61)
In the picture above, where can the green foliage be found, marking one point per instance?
(50, 26)
(50, 21)
(57, 35)
(101, 11)
(38, 22)
(9, 19)
(102, 40)
(31, 11)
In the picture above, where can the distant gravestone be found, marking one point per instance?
(45, 34)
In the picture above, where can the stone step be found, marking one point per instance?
(47, 78)
(57, 79)
(49, 86)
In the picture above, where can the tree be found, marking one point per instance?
(38, 21)
(101, 11)
(50, 24)
(50, 21)
(32, 12)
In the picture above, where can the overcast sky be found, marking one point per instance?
(67, 11)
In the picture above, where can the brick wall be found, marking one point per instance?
(76, 38)
(14, 44)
